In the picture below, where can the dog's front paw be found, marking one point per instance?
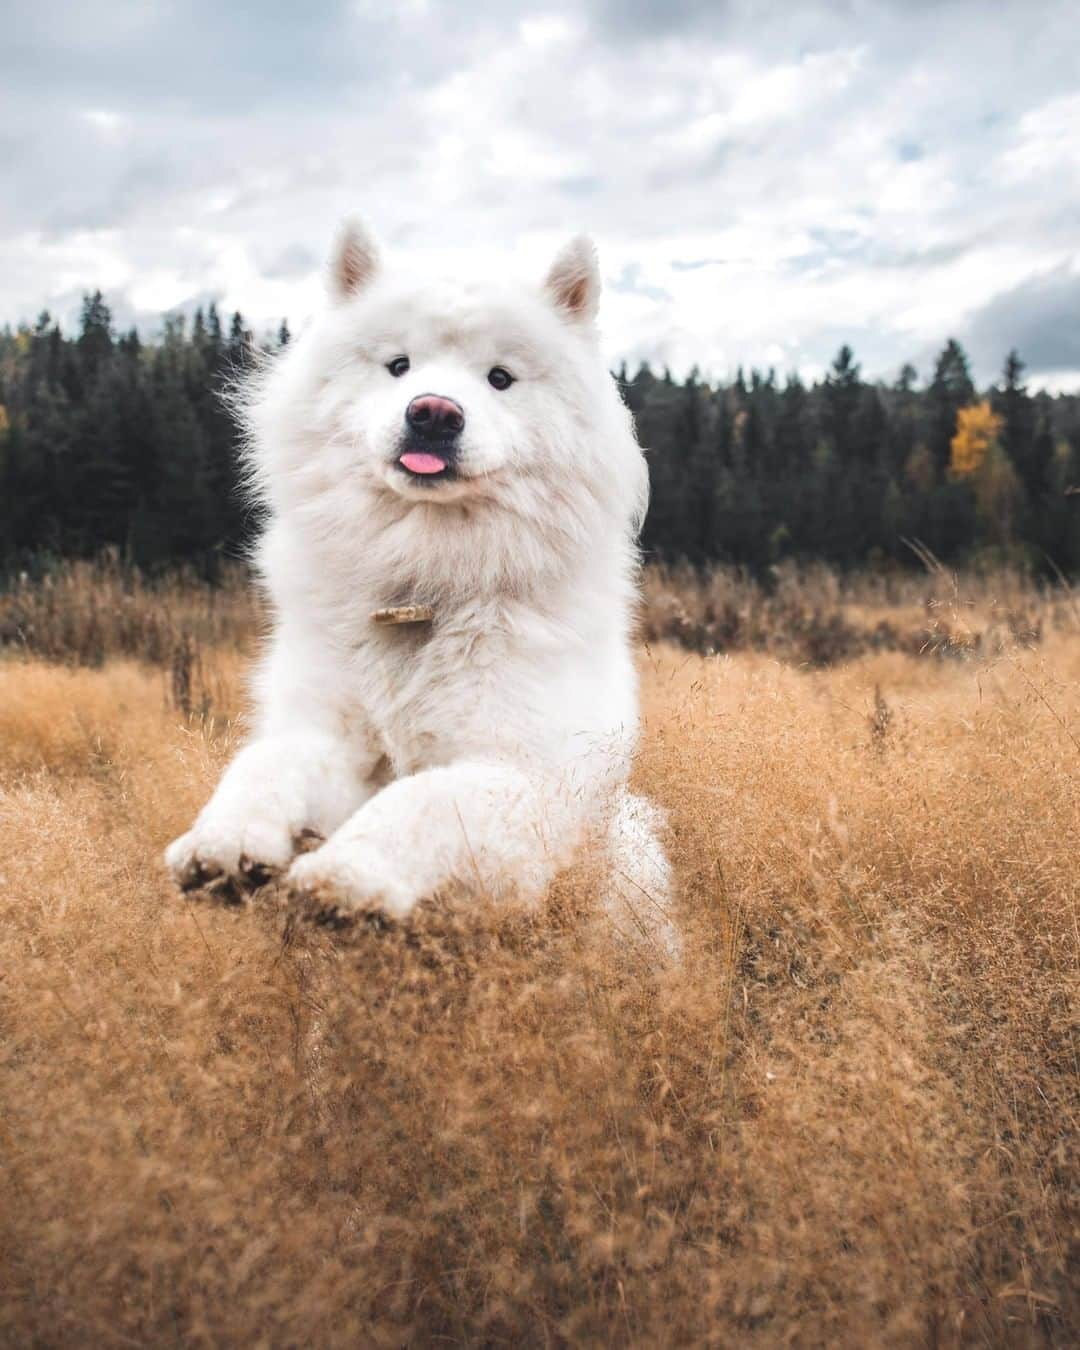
(342, 882)
(230, 857)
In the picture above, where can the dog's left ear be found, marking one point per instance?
(573, 283)
(354, 259)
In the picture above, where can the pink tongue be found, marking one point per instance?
(421, 463)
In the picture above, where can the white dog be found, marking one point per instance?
(457, 455)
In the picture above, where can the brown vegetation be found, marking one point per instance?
(818, 617)
(848, 1119)
(83, 613)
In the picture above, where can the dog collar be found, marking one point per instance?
(403, 614)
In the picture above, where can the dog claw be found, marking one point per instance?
(312, 907)
(213, 882)
(197, 876)
(225, 890)
(331, 917)
(318, 909)
(255, 873)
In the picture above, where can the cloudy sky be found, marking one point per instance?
(764, 180)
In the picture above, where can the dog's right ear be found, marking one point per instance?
(573, 283)
(354, 259)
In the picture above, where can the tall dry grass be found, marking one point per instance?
(818, 617)
(848, 1119)
(82, 613)
(85, 612)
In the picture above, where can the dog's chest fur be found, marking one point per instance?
(428, 690)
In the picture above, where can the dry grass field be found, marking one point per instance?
(849, 1118)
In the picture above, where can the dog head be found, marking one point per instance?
(459, 398)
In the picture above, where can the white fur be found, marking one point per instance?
(472, 755)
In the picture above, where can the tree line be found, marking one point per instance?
(107, 441)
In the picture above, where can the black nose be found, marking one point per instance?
(432, 415)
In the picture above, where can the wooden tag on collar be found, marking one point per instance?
(403, 614)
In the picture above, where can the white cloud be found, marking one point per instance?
(1047, 142)
(763, 185)
(105, 120)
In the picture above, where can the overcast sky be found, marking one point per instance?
(764, 180)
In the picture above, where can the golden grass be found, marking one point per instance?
(848, 1120)
(817, 617)
(84, 613)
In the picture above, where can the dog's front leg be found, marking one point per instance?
(275, 790)
(485, 828)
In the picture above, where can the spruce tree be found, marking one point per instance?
(950, 390)
(843, 387)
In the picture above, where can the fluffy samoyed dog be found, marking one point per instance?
(448, 701)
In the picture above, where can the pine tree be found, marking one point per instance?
(902, 414)
(1012, 403)
(950, 390)
(213, 328)
(793, 429)
(95, 336)
(842, 390)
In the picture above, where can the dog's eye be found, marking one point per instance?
(398, 366)
(500, 378)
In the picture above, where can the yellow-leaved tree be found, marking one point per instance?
(977, 429)
(978, 456)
